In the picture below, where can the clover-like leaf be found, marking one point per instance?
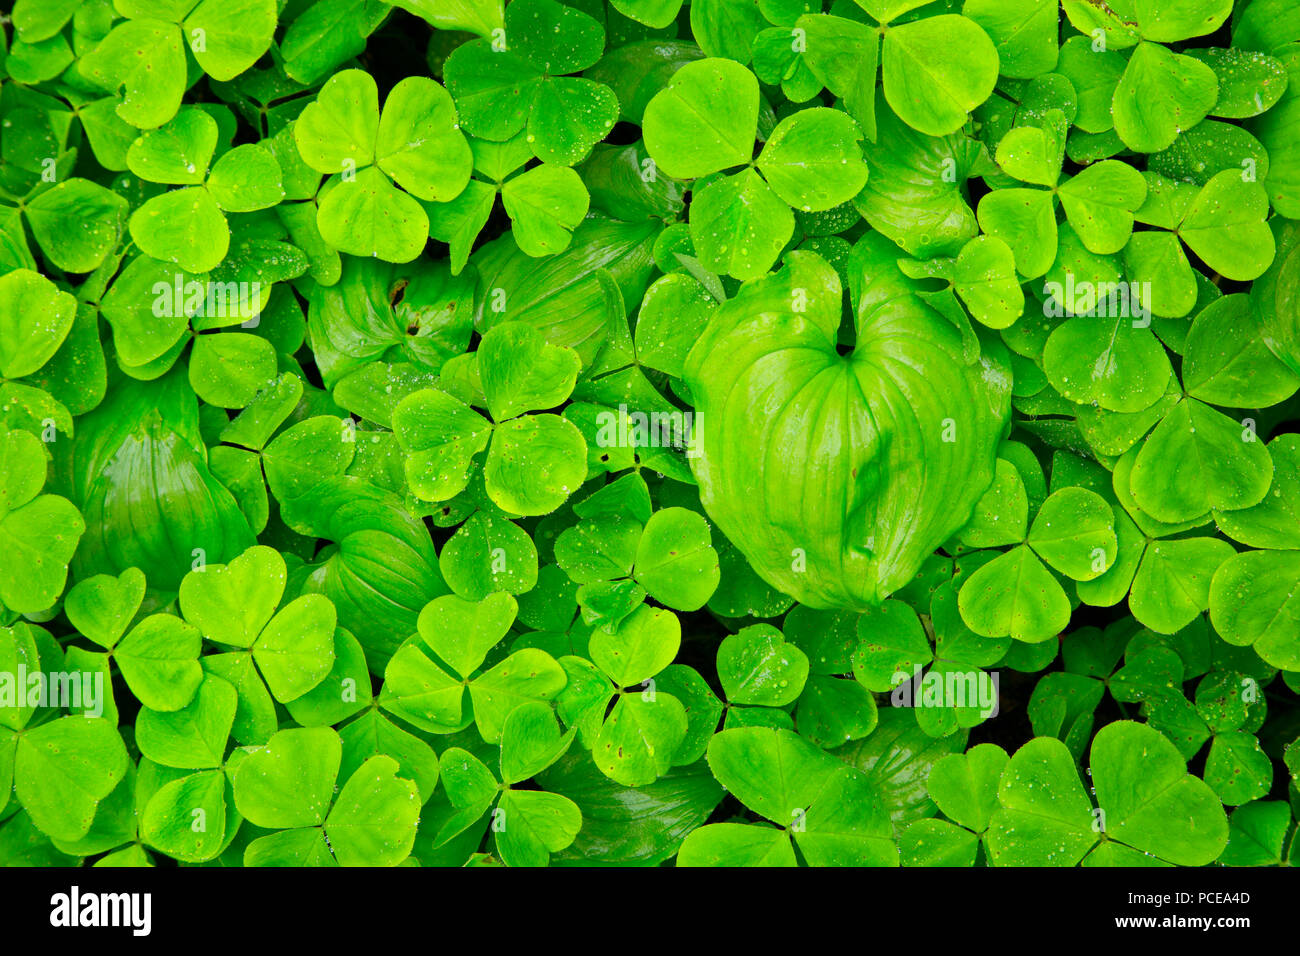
(1033, 154)
(419, 144)
(64, 769)
(1252, 602)
(37, 542)
(369, 216)
(1161, 94)
(637, 742)
(1273, 522)
(813, 161)
(984, 275)
(757, 666)
(1228, 362)
(1024, 219)
(500, 92)
(1225, 226)
(545, 204)
(935, 94)
(167, 823)
(1206, 461)
(184, 226)
(893, 643)
(1168, 21)
(521, 372)
(1100, 203)
(705, 120)
(965, 786)
(144, 59)
(374, 817)
(531, 741)
(1172, 584)
(675, 560)
(35, 318)
(246, 179)
(534, 464)
(1015, 595)
(440, 435)
(232, 603)
(339, 129)
(102, 606)
(1140, 778)
(1074, 533)
(527, 675)
(1237, 769)
(537, 825)
(462, 632)
(1025, 34)
(77, 223)
(194, 737)
(177, 153)
(290, 782)
(643, 645)
(772, 772)
(295, 650)
(739, 225)
(159, 662)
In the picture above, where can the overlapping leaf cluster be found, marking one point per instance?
(558, 431)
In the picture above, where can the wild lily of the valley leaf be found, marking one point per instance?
(869, 491)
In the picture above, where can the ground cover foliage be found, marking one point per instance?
(639, 432)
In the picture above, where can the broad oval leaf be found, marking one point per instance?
(792, 428)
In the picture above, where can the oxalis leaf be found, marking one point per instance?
(1147, 804)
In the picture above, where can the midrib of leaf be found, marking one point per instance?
(708, 124)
